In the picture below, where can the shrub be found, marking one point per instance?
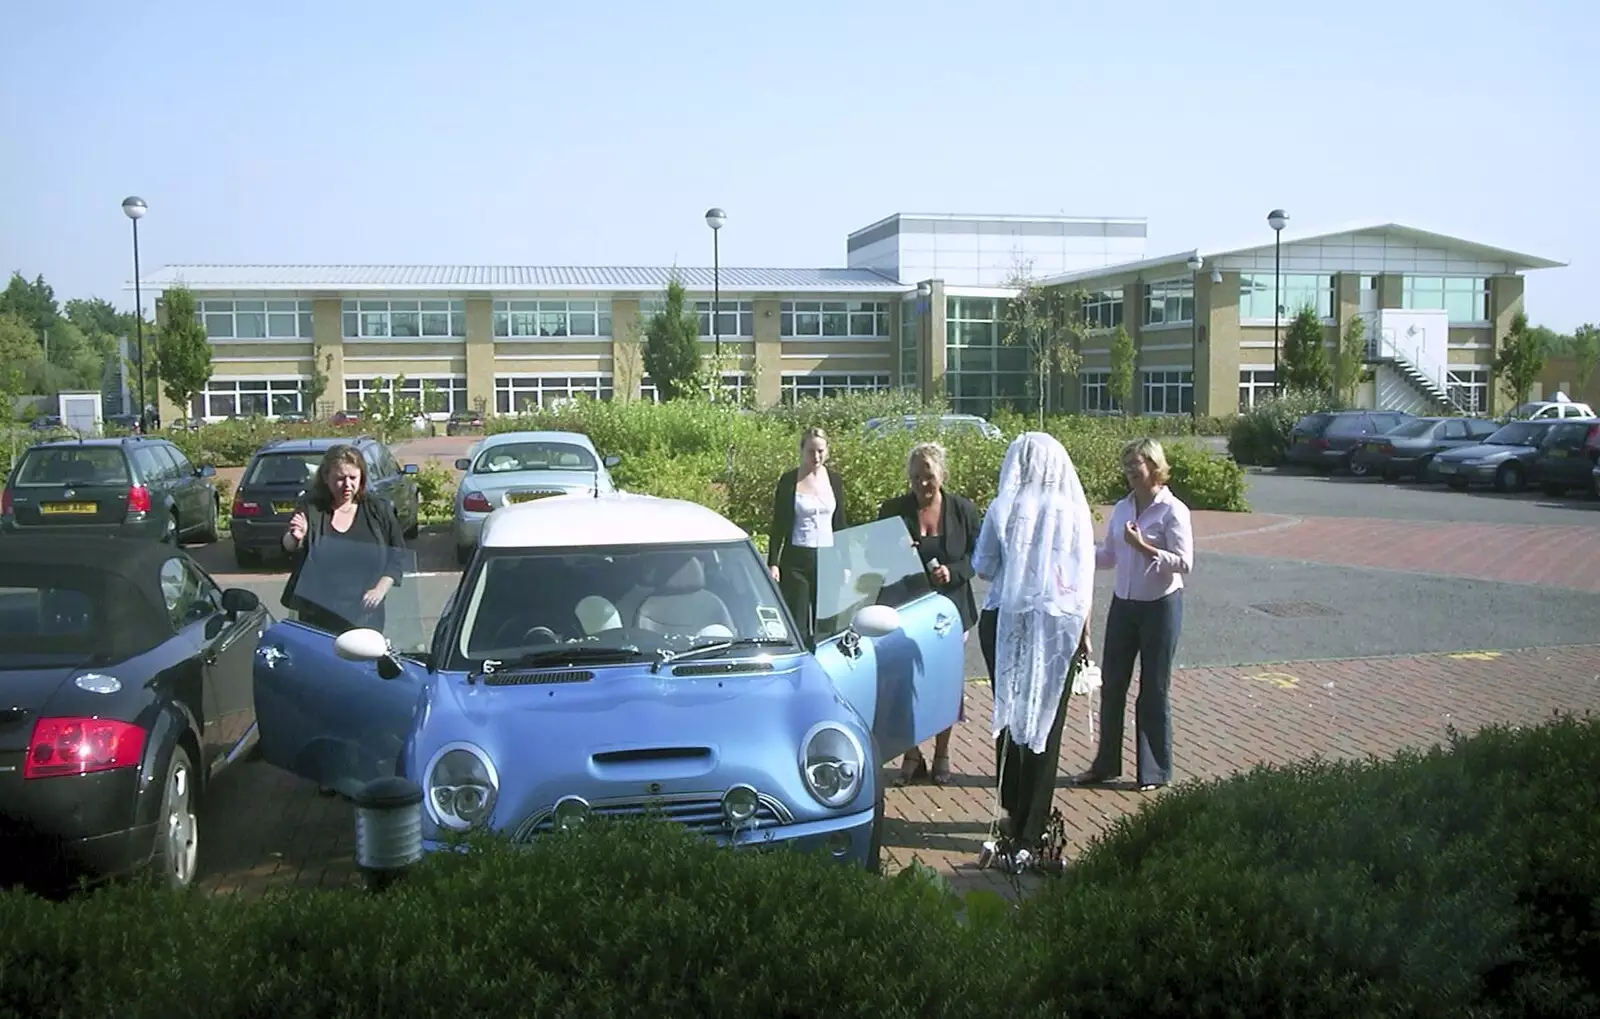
(1261, 435)
(436, 491)
(1459, 881)
(231, 443)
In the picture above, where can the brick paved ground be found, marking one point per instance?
(268, 830)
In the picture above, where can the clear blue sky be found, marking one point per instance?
(598, 133)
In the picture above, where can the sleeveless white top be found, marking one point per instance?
(813, 519)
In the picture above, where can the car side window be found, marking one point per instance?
(187, 597)
(184, 467)
(145, 462)
(1566, 436)
(390, 464)
(167, 455)
(1455, 429)
(374, 465)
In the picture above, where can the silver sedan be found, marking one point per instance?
(514, 467)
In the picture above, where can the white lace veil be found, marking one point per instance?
(1043, 538)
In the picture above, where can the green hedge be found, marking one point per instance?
(1459, 882)
(1260, 436)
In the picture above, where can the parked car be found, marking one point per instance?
(293, 417)
(464, 422)
(517, 467)
(281, 471)
(1560, 407)
(1408, 448)
(1326, 440)
(625, 654)
(127, 674)
(132, 486)
(942, 423)
(1550, 453)
(46, 423)
(345, 417)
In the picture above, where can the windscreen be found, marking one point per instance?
(74, 465)
(54, 614)
(1414, 429)
(534, 456)
(284, 469)
(651, 599)
(1518, 433)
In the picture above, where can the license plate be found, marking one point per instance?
(529, 496)
(1447, 468)
(283, 507)
(62, 509)
(1558, 452)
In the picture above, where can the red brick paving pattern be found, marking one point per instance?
(269, 831)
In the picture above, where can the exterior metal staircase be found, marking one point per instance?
(1419, 380)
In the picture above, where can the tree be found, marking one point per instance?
(18, 351)
(1048, 321)
(1586, 352)
(316, 384)
(1305, 359)
(1521, 359)
(182, 349)
(672, 347)
(34, 303)
(1120, 384)
(1351, 361)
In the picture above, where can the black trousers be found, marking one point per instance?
(1027, 779)
(1147, 630)
(797, 582)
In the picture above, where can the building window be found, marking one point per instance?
(1295, 290)
(433, 394)
(826, 384)
(1168, 392)
(1254, 386)
(247, 398)
(1469, 388)
(733, 383)
(255, 320)
(980, 371)
(401, 319)
(1169, 303)
(735, 319)
(1102, 309)
(1095, 393)
(521, 394)
(841, 319)
(910, 363)
(1465, 298)
(533, 319)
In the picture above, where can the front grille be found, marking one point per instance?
(699, 812)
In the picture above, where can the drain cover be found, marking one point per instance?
(1295, 609)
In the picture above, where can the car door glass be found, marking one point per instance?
(186, 600)
(871, 564)
(169, 465)
(1455, 429)
(184, 467)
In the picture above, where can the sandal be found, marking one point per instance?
(912, 767)
(941, 770)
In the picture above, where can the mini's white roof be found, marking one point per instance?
(619, 518)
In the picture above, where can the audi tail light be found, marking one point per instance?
(82, 746)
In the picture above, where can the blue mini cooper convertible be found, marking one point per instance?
(626, 655)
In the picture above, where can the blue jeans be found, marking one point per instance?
(1147, 630)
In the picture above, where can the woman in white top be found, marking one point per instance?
(1150, 543)
(1036, 549)
(807, 509)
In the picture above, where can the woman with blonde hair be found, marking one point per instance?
(1149, 542)
(1036, 549)
(807, 510)
(944, 527)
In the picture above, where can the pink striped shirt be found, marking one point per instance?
(1165, 524)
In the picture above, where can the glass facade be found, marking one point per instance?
(1295, 290)
(248, 398)
(843, 319)
(1466, 298)
(1102, 309)
(1170, 302)
(367, 320)
(255, 320)
(981, 373)
(1094, 393)
(1255, 385)
(535, 319)
(825, 384)
(1168, 392)
(910, 349)
(521, 393)
(445, 393)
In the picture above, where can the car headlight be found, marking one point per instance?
(832, 764)
(462, 786)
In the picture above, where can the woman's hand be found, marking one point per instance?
(1132, 535)
(296, 532)
(774, 571)
(373, 598)
(940, 575)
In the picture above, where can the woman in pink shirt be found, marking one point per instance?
(1150, 543)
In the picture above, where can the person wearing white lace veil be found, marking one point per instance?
(1037, 550)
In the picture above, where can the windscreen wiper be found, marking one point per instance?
(561, 654)
(701, 650)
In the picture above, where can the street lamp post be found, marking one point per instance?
(1196, 263)
(1277, 219)
(714, 219)
(134, 208)
(924, 307)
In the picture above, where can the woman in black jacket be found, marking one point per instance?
(944, 527)
(807, 510)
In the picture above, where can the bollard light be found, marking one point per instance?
(388, 829)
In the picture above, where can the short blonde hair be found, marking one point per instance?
(812, 433)
(930, 453)
(1151, 452)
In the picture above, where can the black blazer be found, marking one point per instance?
(959, 522)
(783, 511)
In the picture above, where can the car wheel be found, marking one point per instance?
(170, 535)
(1509, 478)
(208, 534)
(177, 841)
(1357, 468)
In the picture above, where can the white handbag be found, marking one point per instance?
(1086, 684)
